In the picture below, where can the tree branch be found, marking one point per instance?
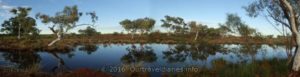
(278, 20)
(52, 29)
(286, 6)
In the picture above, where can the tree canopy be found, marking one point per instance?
(176, 24)
(142, 25)
(235, 25)
(89, 31)
(283, 12)
(65, 20)
(21, 23)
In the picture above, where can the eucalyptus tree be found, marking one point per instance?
(196, 28)
(234, 24)
(284, 12)
(89, 31)
(246, 31)
(142, 25)
(223, 30)
(64, 21)
(20, 24)
(129, 26)
(176, 24)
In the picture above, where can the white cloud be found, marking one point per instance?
(5, 7)
(4, 10)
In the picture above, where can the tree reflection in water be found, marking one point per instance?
(181, 52)
(250, 49)
(176, 54)
(201, 51)
(243, 52)
(89, 48)
(61, 67)
(22, 59)
(140, 53)
(221, 67)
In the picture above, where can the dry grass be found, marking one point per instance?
(10, 43)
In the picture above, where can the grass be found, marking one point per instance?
(220, 68)
(269, 68)
(11, 43)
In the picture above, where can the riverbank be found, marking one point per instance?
(220, 68)
(9, 72)
(10, 43)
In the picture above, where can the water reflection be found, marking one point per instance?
(179, 53)
(140, 53)
(211, 58)
(249, 49)
(22, 59)
(89, 48)
(61, 66)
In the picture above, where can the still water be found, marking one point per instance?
(111, 57)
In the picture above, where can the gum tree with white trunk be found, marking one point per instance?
(64, 20)
(283, 12)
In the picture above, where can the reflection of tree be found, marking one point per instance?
(248, 49)
(176, 54)
(141, 54)
(202, 51)
(23, 59)
(196, 51)
(89, 48)
(60, 63)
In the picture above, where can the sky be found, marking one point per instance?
(111, 12)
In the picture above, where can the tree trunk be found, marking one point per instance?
(196, 36)
(296, 62)
(168, 32)
(132, 35)
(60, 65)
(57, 39)
(19, 32)
(142, 32)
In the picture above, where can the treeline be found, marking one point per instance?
(24, 26)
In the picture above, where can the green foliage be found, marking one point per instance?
(128, 25)
(21, 23)
(245, 31)
(194, 27)
(283, 12)
(65, 20)
(223, 29)
(175, 24)
(142, 25)
(62, 21)
(203, 30)
(234, 24)
(89, 31)
(116, 33)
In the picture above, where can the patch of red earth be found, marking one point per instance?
(83, 72)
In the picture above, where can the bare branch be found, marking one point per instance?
(278, 20)
(274, 25)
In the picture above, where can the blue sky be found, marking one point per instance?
(111, 12)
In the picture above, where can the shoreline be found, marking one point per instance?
(66, 44)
